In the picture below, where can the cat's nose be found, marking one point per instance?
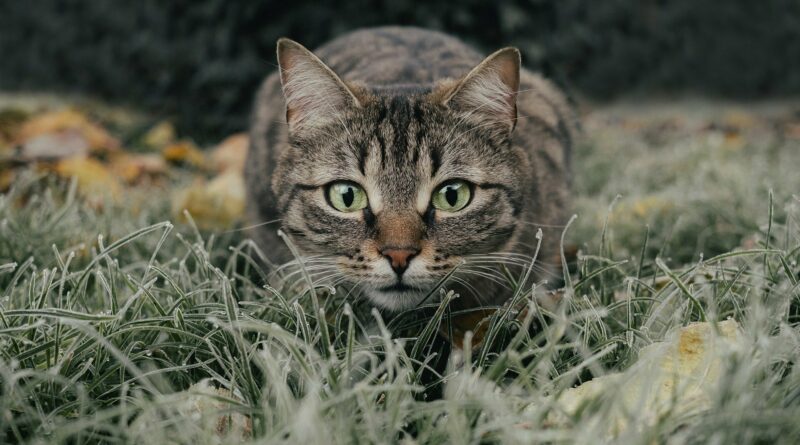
(399, 258)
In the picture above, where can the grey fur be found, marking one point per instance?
(398, 137)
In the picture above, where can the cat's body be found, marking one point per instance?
(404, 122)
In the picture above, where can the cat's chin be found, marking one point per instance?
(396, 298)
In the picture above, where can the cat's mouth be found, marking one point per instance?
(397, 297)
(399, 286)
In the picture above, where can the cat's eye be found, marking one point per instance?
(452, 196)
(347, 196)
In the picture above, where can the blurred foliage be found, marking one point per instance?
(200, 61)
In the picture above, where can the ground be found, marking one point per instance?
(124, 318)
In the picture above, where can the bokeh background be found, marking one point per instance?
(199, 62)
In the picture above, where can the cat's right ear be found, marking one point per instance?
(314, 94)
(488, 93)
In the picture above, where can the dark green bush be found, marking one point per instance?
(200, 61)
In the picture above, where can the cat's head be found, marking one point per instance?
(392, 188)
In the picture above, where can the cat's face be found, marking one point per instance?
(394, 189)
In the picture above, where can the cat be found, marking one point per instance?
(392, 155)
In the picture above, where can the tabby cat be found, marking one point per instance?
(395, 155)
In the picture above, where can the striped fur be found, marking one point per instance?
(399, 111)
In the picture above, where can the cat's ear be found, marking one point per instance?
(314, 93)
(488, 93)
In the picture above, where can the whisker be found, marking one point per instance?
(324, 278)
(537, 268)
(545, 226)
(499, 260)
(511, 258)
(306, 261)
(516, 254)
(493, 278)
(298, 273)
(241, 229)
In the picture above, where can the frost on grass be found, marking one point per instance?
(110, 317)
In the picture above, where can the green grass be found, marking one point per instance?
(107, 314)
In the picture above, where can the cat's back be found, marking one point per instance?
(396, 55)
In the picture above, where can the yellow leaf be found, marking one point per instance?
(160, 135)
(132, 168)
(57, 145)
(11, 120)
(792, 130)
(739, 119)
(68, 120)
(231, 153)
(184, 152)
(676, 374)
(7, 177)
(215, 204)
(95, 181)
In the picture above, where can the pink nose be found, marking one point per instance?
(399, 258)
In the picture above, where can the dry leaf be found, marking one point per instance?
(11, 120)
(53, 146)
(132, 168)
(7, 177)
(95, 181)
(792, 130)
(160, 135)
(477, 320)
(96, 137)
(216, 204)
(233, 423)
(678, 373)
(231, 153)
(184, 153)
(208, 408)
(739, 119)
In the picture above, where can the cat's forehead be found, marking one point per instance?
(398, 154)
(399, 140)
(412, 144)
(409, 91)
(402, 135)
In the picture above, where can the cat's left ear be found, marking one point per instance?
(488, 93)
(314, 94)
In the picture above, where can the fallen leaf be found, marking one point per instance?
(11, 120)
(184, 153)
(53, 146)
(216, 204)
(207, 407)
(7, 177)
(739, 119)
(676, 374)
(95, 181)
(231, 153)
(477, 321)
(792, 130)
(733, 140)
(636, 210)
(133, 167)
(160, 135)
(68, 120)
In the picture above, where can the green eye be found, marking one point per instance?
(452, 196)
(347, 196)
